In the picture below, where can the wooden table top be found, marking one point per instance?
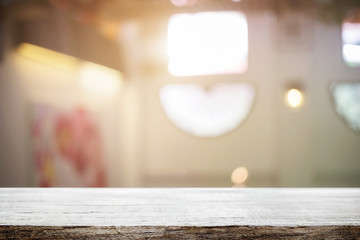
(131, 213)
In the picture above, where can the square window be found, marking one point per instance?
(207, 43)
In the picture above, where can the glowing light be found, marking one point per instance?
(239, 175)
(294, 98)
(99, 80)
(347, 103)
(351, 43)
(182, 3)
(207, 113)
(52, 58)
(109, 29)
(207, 43)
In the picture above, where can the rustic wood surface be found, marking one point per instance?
(234, 213)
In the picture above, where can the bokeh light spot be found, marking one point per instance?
(239, 175)
(294, 98)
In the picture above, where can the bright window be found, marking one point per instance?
(207, 43)
(351, 39)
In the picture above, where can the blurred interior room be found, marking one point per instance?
(179, 93)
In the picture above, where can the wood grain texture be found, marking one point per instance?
(60, 213)
(143, 232)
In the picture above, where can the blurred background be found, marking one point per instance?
(180, 93)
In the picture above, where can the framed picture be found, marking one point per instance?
(67, 147)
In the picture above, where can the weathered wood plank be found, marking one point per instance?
(179, 213)
(148, 232)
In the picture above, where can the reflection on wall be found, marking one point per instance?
(207, 43)
(95, 79)
(67, 148)
(347, 103)
(48, 57)
(99, 80)
(207, 113)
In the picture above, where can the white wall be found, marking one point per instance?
(309, 147)
(13, 128)
(280, 147)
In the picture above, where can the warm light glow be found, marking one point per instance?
(351, 43)
(239, 175)
(207, 43)
(99, 80)
(294, 98)
(182, 3)
(207, 113)
(52, 58)
(94, 79)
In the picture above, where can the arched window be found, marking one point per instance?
(207, 113)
